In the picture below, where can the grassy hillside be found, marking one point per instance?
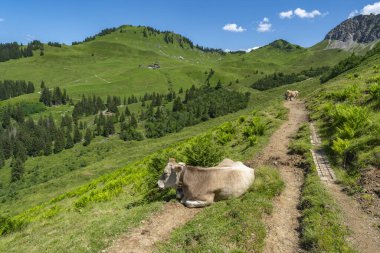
(117, 201)
(98, 191)
(347, 111)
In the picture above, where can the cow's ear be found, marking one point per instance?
(171, 160)
(179, 167)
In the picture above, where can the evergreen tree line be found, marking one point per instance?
(90, 38)
(200, 104)
(171, 38)
(93, 105)
(14, 50)
(53, 97)
(279, 79)
(24, 138)
(54, 44)
(10, 88)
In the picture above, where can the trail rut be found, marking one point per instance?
(283, 223)
(156, 228)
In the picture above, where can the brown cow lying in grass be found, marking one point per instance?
(291, 94)
(199, 187)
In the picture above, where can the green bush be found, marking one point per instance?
(255, 127)
(203, 151)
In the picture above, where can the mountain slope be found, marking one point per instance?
(355, 33)
(116, 63)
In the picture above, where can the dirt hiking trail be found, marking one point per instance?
(282, 224)
(158, 227)
(365, 237)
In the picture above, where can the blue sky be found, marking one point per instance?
(247, 23)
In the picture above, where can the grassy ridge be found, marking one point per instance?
(321, 225)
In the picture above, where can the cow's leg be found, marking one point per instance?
(196, 203)
(207, 200)
(179, 193)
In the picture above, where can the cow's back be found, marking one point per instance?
(224, 182)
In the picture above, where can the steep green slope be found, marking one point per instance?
(347, 110)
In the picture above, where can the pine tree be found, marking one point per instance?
(30, 88)
(87, 137)
(2, 159)
(69, 141)
(6, 117)
(127, 112)
(46, 96)
(42, 85)
(122, 117)
(19, 114)
(59, 142)
(17, 171)
(20, 151)
(48, 148)
(133, 120)
(177, 104)
(77, 134)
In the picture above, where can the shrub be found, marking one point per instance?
(203, 151)
(255, 127)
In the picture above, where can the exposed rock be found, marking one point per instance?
(355, 33)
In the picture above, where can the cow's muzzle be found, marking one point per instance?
(160, 184)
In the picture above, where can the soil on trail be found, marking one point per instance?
(365, 236)
(143, 238)
(282, 224)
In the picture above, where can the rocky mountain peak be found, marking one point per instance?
(354, 32)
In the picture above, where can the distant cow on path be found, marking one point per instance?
(199, 187)
(291, 94)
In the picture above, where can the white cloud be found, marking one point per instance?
(247, 50)
(353, 14)
(264, 25)
(2, 20)
(367, 10)
(250, 49)
(233, 28)
(371, 9)
(304, 14)
(286, 14)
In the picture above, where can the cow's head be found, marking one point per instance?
(171, 174)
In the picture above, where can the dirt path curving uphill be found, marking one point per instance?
(283, 223)
(158, 227)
